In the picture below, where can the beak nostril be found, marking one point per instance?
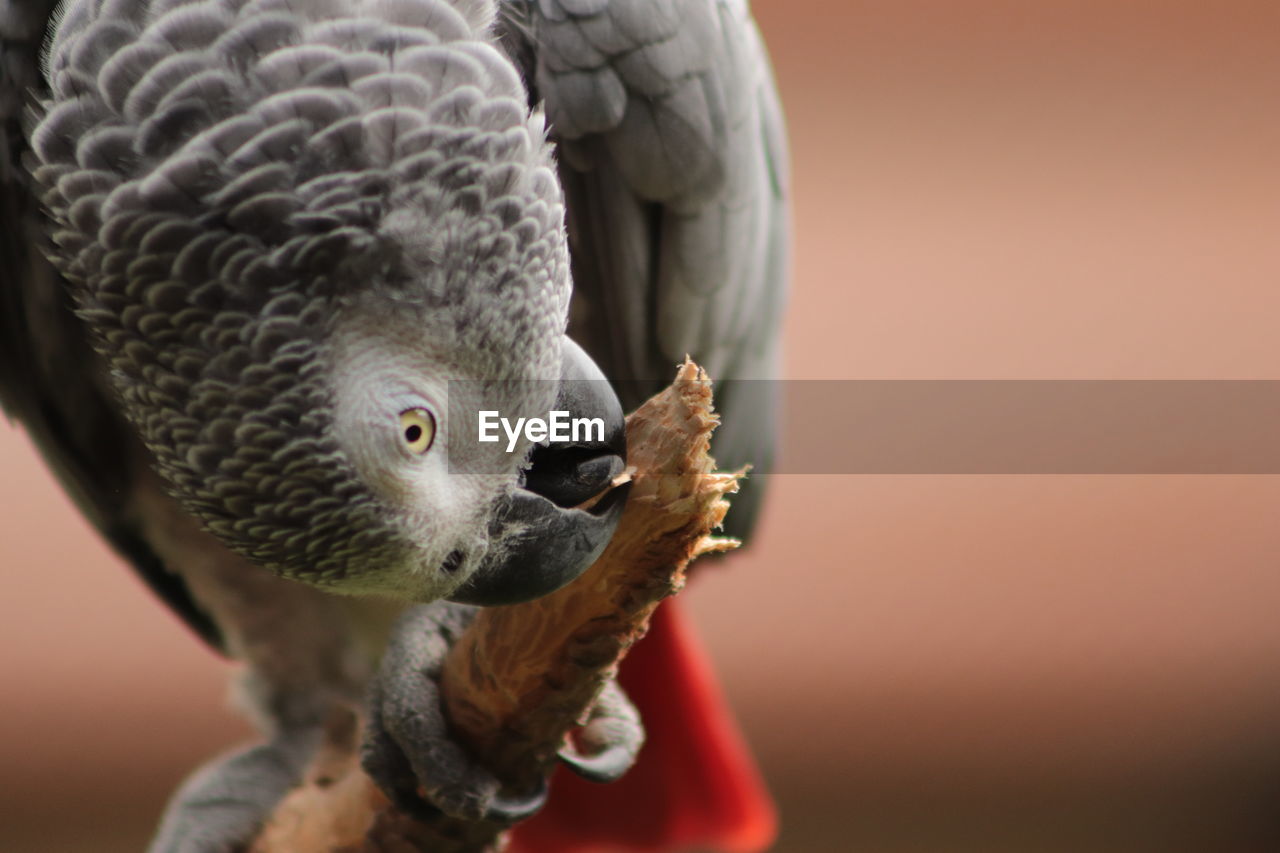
(453, 562)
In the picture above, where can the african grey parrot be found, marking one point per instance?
(248, 249)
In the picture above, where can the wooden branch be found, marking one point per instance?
(522, 678)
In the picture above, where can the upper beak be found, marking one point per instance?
(538, 541)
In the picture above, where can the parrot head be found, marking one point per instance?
(329, 432)
(303, 252)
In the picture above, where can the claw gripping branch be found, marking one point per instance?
(523, 678)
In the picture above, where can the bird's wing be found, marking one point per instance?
(673, 158)
(47, 379)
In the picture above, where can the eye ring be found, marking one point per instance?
(417, 430)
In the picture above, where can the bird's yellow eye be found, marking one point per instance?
(418, 429)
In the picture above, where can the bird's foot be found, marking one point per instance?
(408, 750)
(605, 748)
(223, 804)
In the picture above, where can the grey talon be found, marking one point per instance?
(608, 765)
(513, 808)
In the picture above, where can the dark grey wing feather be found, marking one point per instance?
(673, 157)
(47, 379)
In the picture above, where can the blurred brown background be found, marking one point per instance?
(984, 190)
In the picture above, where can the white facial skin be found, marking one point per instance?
(378, 377)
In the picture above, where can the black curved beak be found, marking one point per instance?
(538, 541)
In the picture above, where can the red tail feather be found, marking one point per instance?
(695, 784)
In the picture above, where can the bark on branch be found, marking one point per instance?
(522, 678)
